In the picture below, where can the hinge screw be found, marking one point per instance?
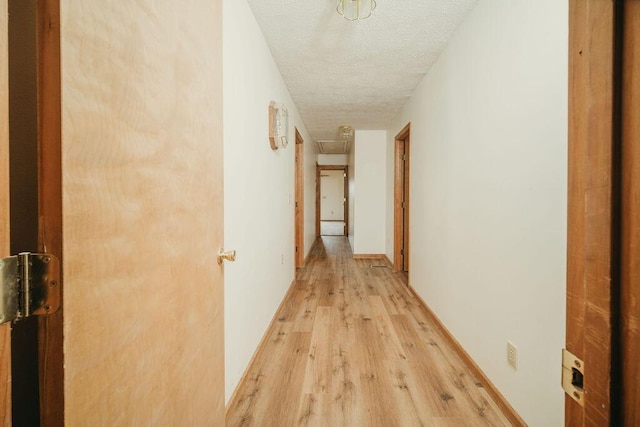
(47, 307)
(577, 363)
(46, 259)
(53, 283)
(576, 395)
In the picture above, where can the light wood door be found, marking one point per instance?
(142, 203)
(141, 193)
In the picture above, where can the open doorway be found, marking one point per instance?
(332, 213)
(401, 200)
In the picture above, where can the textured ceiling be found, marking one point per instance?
(356, 73)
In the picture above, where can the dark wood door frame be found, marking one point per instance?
(299, 201)
(589, 240)
(48, 330)
(50, 370)
(628, 334)
(604, 205)
(50, 206)
(319, 169)
(401, 200)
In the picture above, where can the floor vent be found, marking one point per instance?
(378, 266)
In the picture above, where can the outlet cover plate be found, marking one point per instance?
(512, 355)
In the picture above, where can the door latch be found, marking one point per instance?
(573, 376)
(29, 286)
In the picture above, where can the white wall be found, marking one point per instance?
(310, 161)
(332, 195)
(258, 188)
(333, 159)
(370, 180)
(488, 195)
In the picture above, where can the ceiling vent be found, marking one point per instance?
(340, 145)
(333, 147)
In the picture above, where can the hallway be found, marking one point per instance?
(352, 347)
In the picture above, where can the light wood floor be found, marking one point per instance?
(351, 347)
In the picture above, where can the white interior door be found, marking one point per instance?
(332, 195)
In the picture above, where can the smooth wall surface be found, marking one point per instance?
(258, 189)
(333, 159)
(488, 195)
(370, 179)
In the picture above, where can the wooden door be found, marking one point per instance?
(142, 186)
(141, 214)
(401, 200)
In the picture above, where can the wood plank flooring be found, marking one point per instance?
(351, 346)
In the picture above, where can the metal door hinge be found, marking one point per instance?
(573, 376)
(29, 286)
(404, 157)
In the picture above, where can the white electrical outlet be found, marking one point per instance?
(512, 355)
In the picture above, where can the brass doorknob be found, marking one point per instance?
(228, 255)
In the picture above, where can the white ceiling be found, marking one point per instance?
(356, 73)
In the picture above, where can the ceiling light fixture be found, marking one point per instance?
(345, 132)
(354, 10)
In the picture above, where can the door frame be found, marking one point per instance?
(401, 186)
(299, 201)
(345, 169)
(5, 329)
(50, 335)
(50, 328)
(602, 233)
(626, 372)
